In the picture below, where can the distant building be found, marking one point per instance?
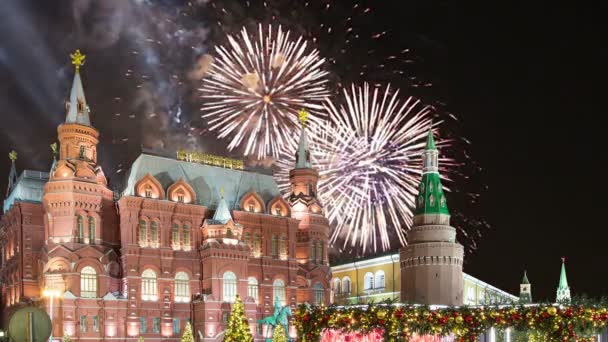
(525, 290)
(563, 290)
(377, 279)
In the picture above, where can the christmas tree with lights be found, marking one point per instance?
(278, 335)
(238, 327)
(187, 336)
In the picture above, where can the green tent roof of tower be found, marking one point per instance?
(431, 198)
(525, 279)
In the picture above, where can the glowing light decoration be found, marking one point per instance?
(256, 86)
(368, 156)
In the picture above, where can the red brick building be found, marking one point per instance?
(178, 244)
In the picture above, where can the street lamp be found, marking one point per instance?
(51, 293)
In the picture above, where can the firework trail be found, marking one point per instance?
(369, 160)
(257, 84)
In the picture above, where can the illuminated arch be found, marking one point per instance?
(181, 191)
(278, 206)
(148, 185)
(252, 202)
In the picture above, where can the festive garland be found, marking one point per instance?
(400, 322)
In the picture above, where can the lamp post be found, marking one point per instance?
(51, 293)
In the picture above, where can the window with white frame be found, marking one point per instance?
(229, 287)
(379, 280)
(368, 281)
(154, 233)
(346, 287)
(252, 288)
(182, 287)
(186, 235)
(149, 289)
(278, 291)
(91, 229)
(88, 282)
(337, 285)
(80, 225)
(175, 235)
(143, 233)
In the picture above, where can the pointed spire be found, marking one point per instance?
(12, 176)
(77, 108)
(430, 141)
(525, 279)
(222, 213)
(303, 152)
(431, 198)
(563, 290)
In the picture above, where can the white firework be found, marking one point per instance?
(257, 85)
(368, 155)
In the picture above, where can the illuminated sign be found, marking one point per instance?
(210, 159)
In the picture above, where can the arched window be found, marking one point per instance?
(320, 251)
(278, 291)
(368, 281)
(175, 235)
(186, 235)
(275, 246)
(180, 196)
(346, 287)
(229, 287)
(251, 206)
(88, 282)
(319, 293)
(379, 281)
(81, 156)
(154, 233)
(256, 244)
(337, 285)
(278, 210)
(149, 289)
(313, 251)
(252, 288)
(91, 229)
(80, 226)
(182, 287)
(148, 191)
(283, 246)
(143, 233)
(248, 242)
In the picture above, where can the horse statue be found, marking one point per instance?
(280, 316)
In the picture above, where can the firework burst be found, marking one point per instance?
(256, 86)
(369, 160)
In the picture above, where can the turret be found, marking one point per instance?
(76, 198)
(563, 290)
(222, 226)
(525, 290)
(431, 264)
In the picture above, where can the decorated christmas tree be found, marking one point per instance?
(279, 335)
(238, 327)
(187, 336)
(140, 339)
(66, 338)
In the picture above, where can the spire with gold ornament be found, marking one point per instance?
(76, 107)
(303, 152)
(563, 290)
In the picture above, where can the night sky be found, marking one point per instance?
(524, 81)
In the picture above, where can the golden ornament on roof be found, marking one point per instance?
(77, 59)
(12, 155)
(303, 115)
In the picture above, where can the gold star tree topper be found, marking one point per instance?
(77, 59)
(222, 192)
(12, 155)
(303, 115)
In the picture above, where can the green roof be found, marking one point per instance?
(431, 198)
(430, 141)
(525, 280)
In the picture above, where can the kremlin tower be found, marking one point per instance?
(431, 264)
(525, 290)
(563, 290)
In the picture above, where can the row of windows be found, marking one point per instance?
(149, 285)
(278, 245)
(84, 323)
(90, 226)
(373, 282)
(316, 251)
(343, 286)
(229, 282)
(143, 325)
(150, 236)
